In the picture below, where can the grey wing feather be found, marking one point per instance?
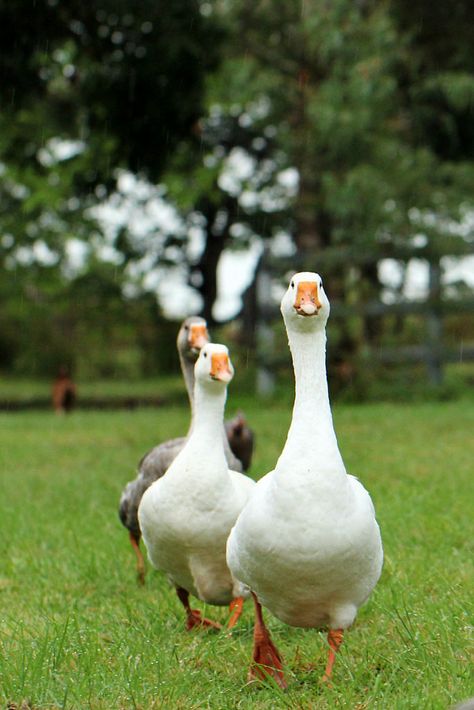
(151, 467)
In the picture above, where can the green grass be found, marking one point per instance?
(77, 632)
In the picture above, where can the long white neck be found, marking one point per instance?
(187, 368)
(311, 443)
(208, 417)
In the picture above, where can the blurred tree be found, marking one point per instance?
(235, 194)
(124, 79)
(85, 324)
(368, 103)
(363, 103)
(87, 88)
(437, 83)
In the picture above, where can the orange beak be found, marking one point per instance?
(220, 367)
(307, 301)
(198, 336)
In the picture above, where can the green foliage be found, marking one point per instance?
(371, 104)
(349, 102)
(76, 631)
(85, 324)
(84, 90)
(126, 79)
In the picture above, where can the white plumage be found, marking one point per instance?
(307, 543)
(186, 516)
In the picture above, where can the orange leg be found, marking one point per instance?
(266, 657)
(135, 542)
(335, 637)
(193, 616)
(235, 607)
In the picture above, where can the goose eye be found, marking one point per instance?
(292, 284)
(321, 284)
(205, 354)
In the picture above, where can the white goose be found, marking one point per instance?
(186, 516)
(307, 543)
(192, 335)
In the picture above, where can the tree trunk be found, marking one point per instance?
(218, 219)
(207, 269)
(249, 312)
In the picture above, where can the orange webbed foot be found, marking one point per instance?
(267, 662)
(193, 616)
(195, 620)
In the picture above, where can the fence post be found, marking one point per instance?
(434, 326)
(264, 334)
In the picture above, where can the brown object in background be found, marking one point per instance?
(64, 392)
(241, 439)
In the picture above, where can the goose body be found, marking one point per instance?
(332, 570)
(307, 543)
(186, 516)
(192, 336)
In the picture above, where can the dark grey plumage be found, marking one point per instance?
(151, 467)
(241, 439)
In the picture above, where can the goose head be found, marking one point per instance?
(213, 367)
(192, 337)
(305, 306)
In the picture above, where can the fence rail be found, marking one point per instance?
(433, 310)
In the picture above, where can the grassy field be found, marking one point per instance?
(77, 632)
